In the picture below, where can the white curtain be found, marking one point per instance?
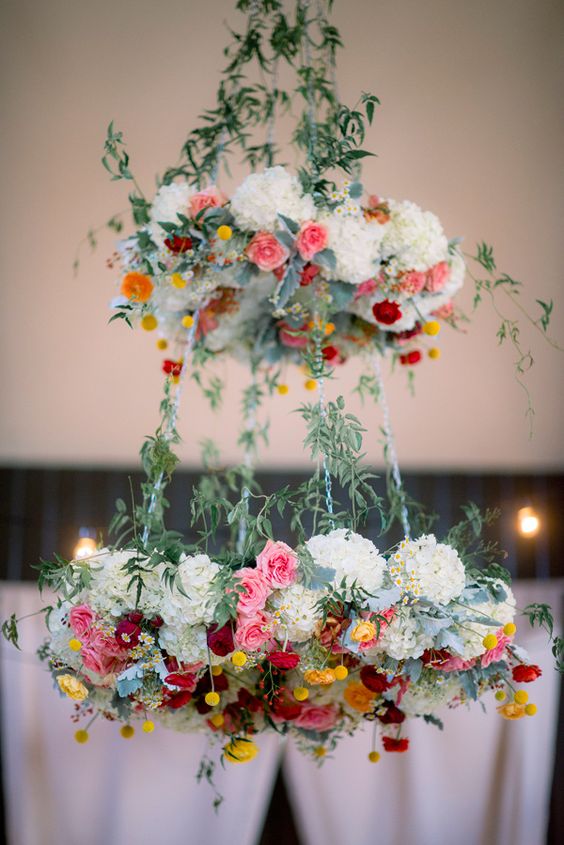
(484, 781)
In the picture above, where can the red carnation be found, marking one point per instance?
(525, 674)
(283, 659)
(393, 715)
(386, 312)
(157, 622)
(331, 354)
(308, 274)
(411, 358)
(179, 699)
(185, 682)
(127, 633)
(172, 368)
(220, 640)
(373, 680)
(177, 244)
(135, 617)
(392, 744)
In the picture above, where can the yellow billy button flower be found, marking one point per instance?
(238, 658)
(521, 697)
(72, 687)
(310, 384)
(282, 389)
(434, 353)
(217, 720)
(212, 699)
(301, 693)
(531, 709)
(432, 328)
(509, 629)
(511, 711)
(240, 751)
(81, 736)
(127, 731)
(224, 233)
(162, 343)
(319, 677)
(188, 321)
(74, 644)
(177, 281)
(363, 632)
(489, 641)
(149, 322)
(341, 672)
(374, 756)
(319, 751)
(148, 727)
(500, 695)
(216, 670)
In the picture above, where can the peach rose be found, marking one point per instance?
(252, 632)
(210, 197)
(256, 590)
(266, 252)
(412, 282)
(312, 238)
(317, 718)
(437, 277)
(278, 563)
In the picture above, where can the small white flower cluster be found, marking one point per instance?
(295, 612)
(355, 559)
(424, 568)
(261, 197)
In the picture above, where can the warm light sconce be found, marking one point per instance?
(528, 522)
(86, 545)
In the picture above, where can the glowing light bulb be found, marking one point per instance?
(85, 547)
(528, 522)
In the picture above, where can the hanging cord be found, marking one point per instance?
(391, 454)
(169, 422)
(310, 112)
(250, 423)
(323, 415)
(272, 119)
(331, 57)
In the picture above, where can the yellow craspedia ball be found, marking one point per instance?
(217, 720)
(240, 751)
(216, 670)
(282, 389)
(329, 328)
(531, 709)
(188, 321)
(212, 699)
(177, 281)
(319, 751)
(521, 697)
(434, 353)
(162, 343)
(432, 327)
(75, 645)
(175, 379)
(341, 672)
(149, 322)
(310, 384)
(509, 629)
(500, 695)
(81, 736)
(127, 731)
(301, 693)
(489, 641)
(374, 756)
(224, 233)
(148, 727)
(238, 658)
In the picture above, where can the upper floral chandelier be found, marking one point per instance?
(318, 638)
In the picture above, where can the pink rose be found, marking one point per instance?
(495, 654)
(210, 197)
(437, 276)
(252, 632)
(255, 593)
(81, 618)
(317, 718)
(312, 238)
(278, 563)
(103, 656)
(288, 337)
(412, 282)
(456, 664)
(266, 252)
(366, 288)
(444, 311)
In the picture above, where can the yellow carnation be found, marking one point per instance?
(512, 710)
(72, 687)
(321, 677)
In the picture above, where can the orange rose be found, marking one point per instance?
(321, 677)
(358, 697)
(363, 632)
(512, 711)
(137, 287)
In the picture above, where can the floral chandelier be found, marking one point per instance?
(316, 639)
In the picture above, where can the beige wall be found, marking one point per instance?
(469, 128)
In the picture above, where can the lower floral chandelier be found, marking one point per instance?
(316, 638)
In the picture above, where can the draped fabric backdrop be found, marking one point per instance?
(484, 781)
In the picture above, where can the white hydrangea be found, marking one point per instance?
(185, 641)
(295, 613)
(414, 237)
(61, 634)
(168, 201)
(429, 694)
(472, 633)
(196, 574)
(424, 568)
(356, 243)
(402, 638)
(109, 592)
(354, 558)
(259, 199)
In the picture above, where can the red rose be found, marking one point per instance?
(283, 659)
(157, 622)
(386, 312)
(525, 674)
(308, 274)
(135, 617)
(127, 633)
(331, 354)
(172, 368)
(248, 701)
(220, 640)
(177, 244)
(286, 710)
(179, 699)
(393, 715)
(373, 680)
(391, 744)
(185, 682)
(411, 358)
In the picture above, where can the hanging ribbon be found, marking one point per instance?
(323, 415)
(250, 423)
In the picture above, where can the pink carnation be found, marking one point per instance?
(81, 619)
(412, 282)
(495, 654)
(366, 288)
(278, 564)
(210, 197)
(444, 311)
(256, 591)
(312, 238)
(437, 277)
(317, 718)
(456, 664)
(266, 252)
(252, 632)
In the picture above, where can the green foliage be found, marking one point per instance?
(540, 616)
(480, 556)
(10, 630)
